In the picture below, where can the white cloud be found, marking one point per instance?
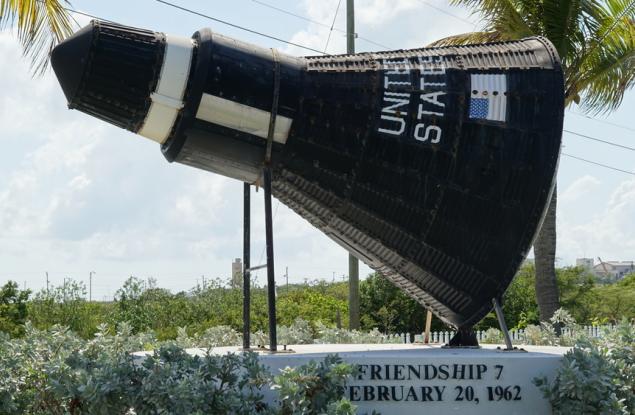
(579, 189)
(609, 234)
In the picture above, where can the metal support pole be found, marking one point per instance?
(353, 262)
(271, 279)
(501, 322)
(246, 260)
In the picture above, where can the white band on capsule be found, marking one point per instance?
(167, 99)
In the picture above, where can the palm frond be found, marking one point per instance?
(40, 25)
(608, 72)
(499, 15)
(468, 38)
(561, 22)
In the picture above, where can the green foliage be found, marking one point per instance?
(306, 312)
(66, 305)
(315, 388)
(519, 301)
(576, 285)
(580, 294)
(387, 308)
(57, 372)
(312, 305)
(13, 308)
(612, 302)
(596, 377)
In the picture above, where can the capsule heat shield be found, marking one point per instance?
(433, 166)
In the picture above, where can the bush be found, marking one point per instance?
(66, 305)
(315, 388)
(57, 372)
(13, 308)
(596, 376)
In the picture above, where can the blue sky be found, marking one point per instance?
(78, 195)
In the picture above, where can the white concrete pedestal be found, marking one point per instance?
(406, 379)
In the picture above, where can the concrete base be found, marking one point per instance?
(408, 379)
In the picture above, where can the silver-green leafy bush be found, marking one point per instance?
(597, 376)
(298, 333)
(57, 372)
(330, 335)
(315, 388)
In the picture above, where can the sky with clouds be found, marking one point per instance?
(78, 195)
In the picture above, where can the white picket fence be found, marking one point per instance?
(443, 337)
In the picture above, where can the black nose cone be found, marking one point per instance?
(109, 71)
(69, 60)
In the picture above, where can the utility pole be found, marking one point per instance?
(90, 286)
(246, 265)
(353, 262)
(47, 282)
(286, 275)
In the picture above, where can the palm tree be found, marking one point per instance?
(596, 42)
(40, 25)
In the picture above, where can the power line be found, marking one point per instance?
(337, 10)
(588, 137)
(299, 16)
(185, 9)
(273, 221)
(599, 164)
(439, 9)
(307, 19)
(614, 124)
(87, 15)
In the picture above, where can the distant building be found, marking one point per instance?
(614, 270)
(607, 270)
(237, 273)
(586, 263)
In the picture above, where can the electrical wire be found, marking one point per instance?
(337, 10)
(299, 16)
(273, 220)
(599, 164)
(255, 32)
(439, 9)
(87, 15)
(588, 137)
(614, 124)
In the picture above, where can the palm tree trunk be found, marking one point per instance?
(545, 257)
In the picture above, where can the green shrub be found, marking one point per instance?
(315, 388)
(13, 308)
(57, 372)
(597, 376)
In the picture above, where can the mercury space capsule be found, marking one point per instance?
(434, 166)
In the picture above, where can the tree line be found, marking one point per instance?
(383, 306)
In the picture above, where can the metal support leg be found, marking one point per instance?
(246, 261)
(501, 322)
(271, 280)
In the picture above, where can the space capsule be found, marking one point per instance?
(433, 166)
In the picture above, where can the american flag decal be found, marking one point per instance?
(488, 97)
